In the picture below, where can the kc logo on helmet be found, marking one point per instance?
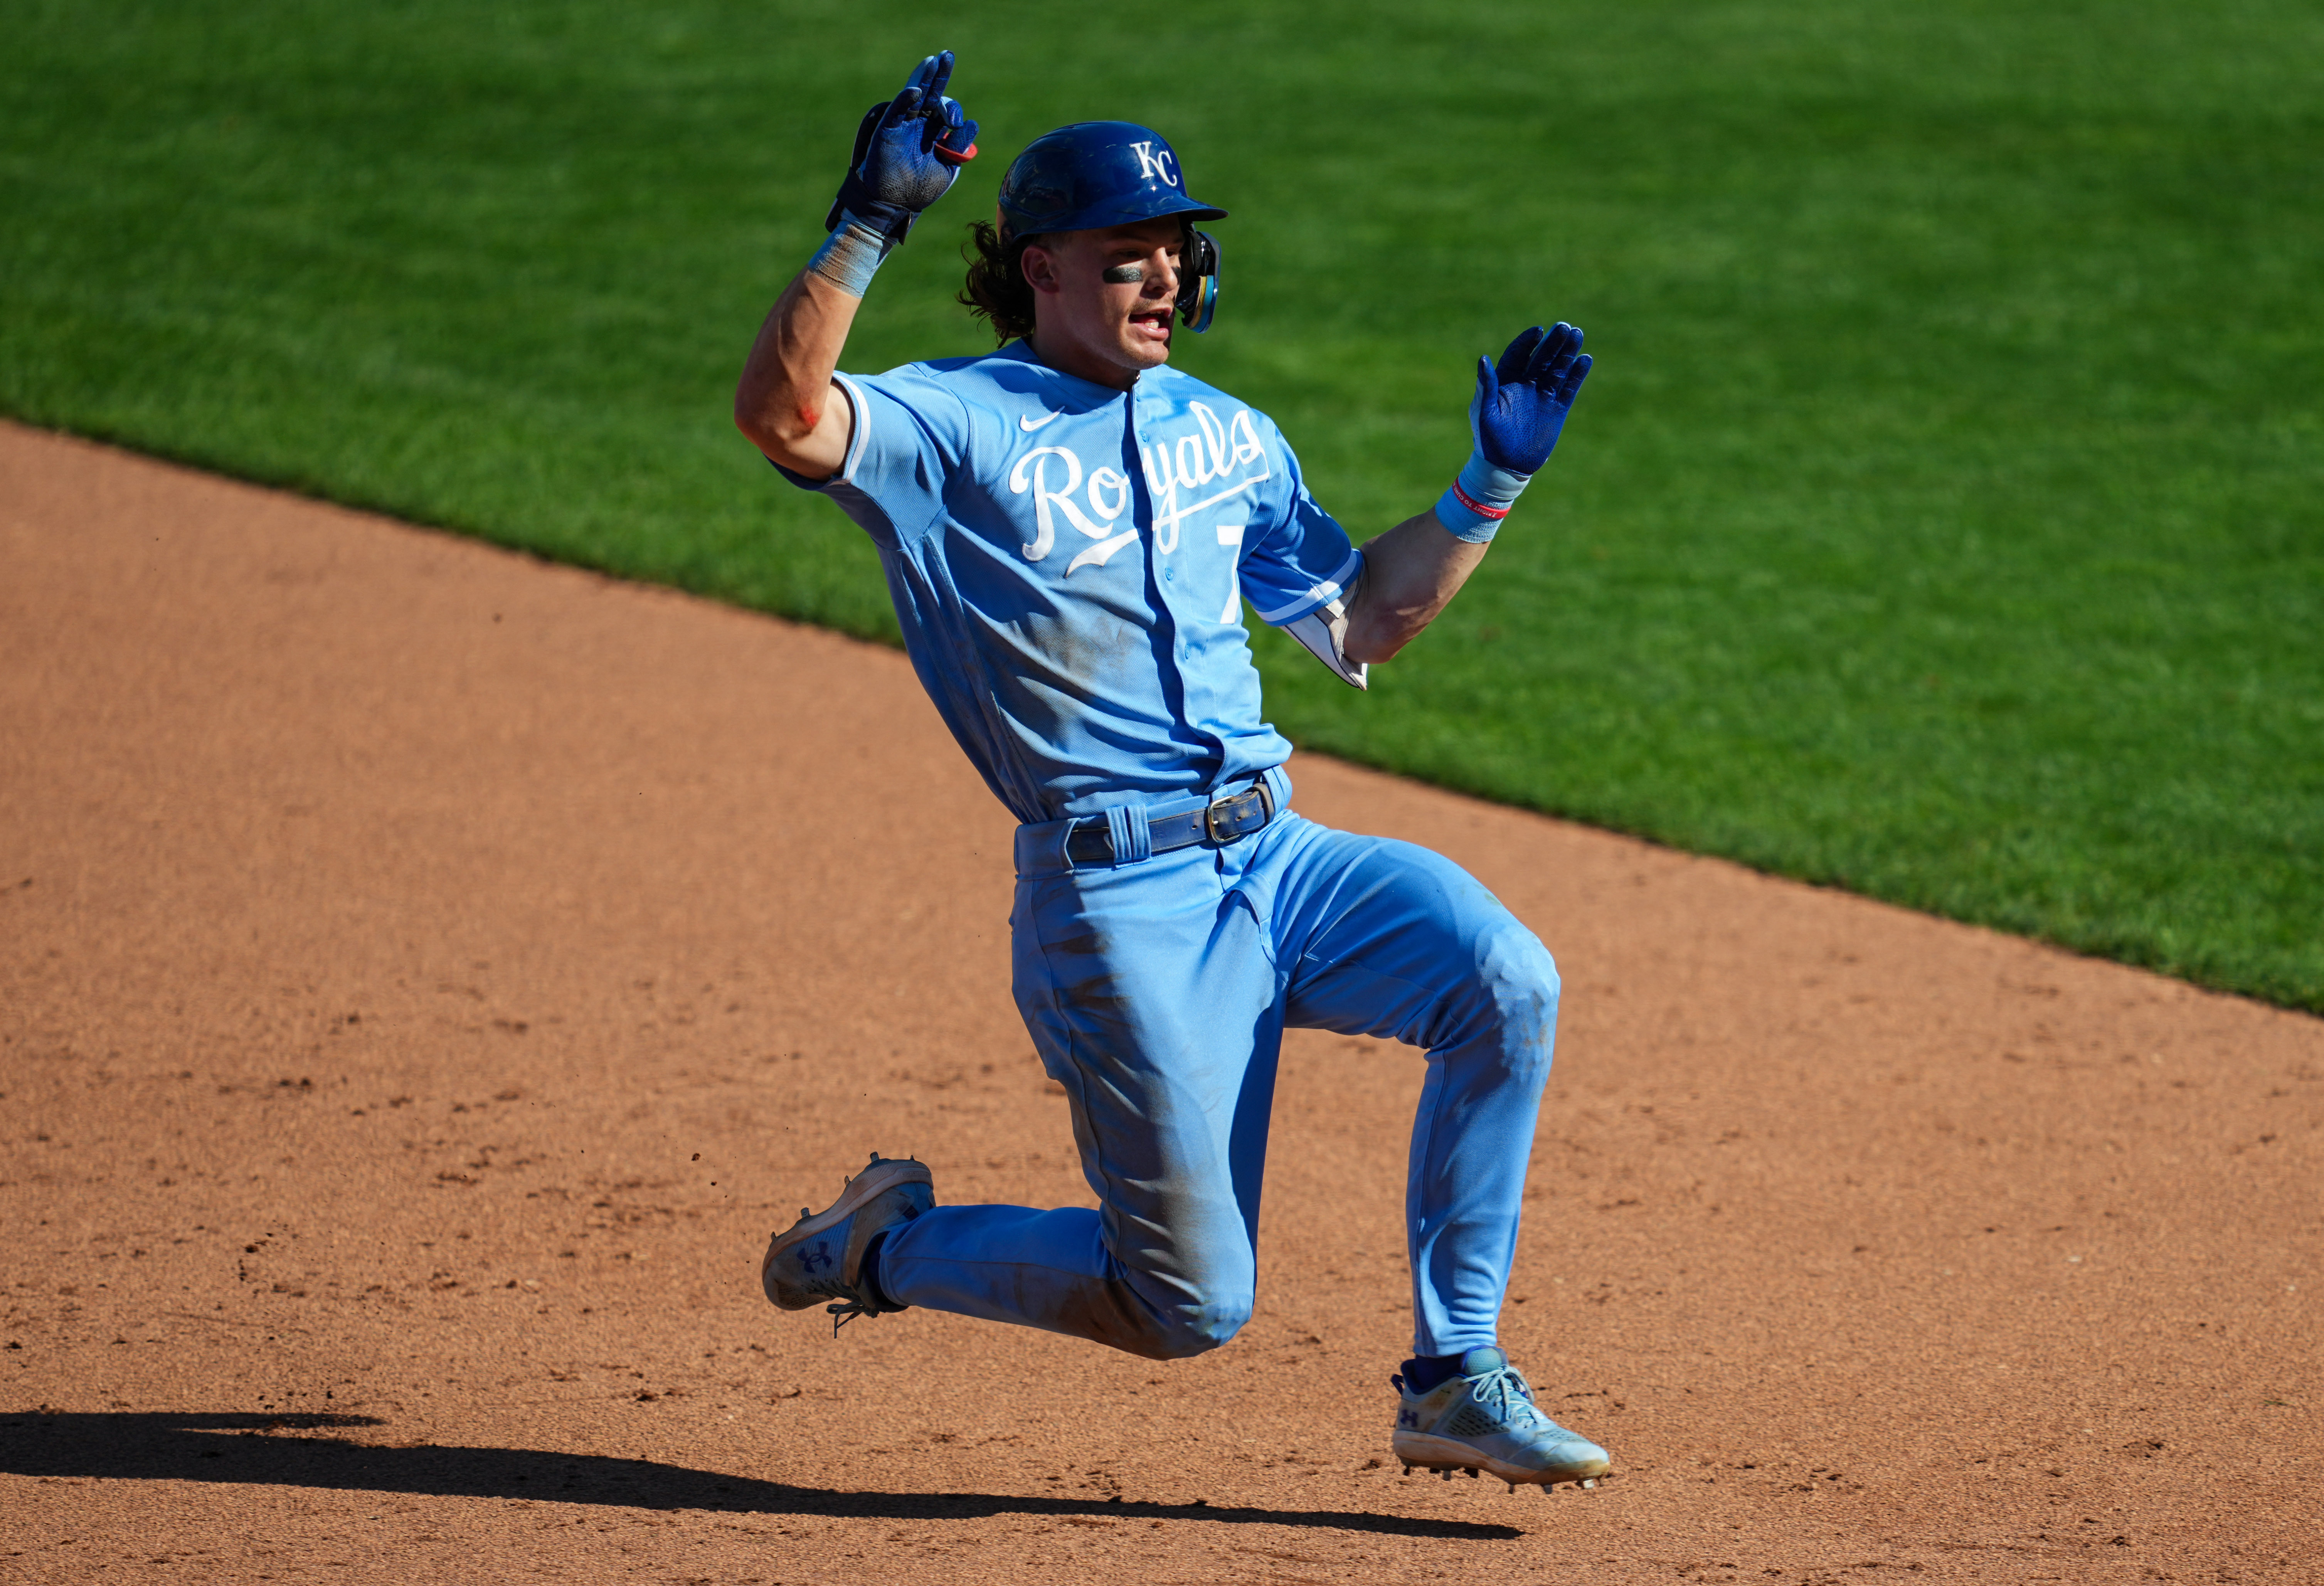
(1152, 164)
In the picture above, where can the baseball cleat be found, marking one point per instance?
(821, 1257)
(1485, 1420)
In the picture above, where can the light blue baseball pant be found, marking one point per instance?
(1157, 993)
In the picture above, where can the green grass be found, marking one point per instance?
(1941, 520)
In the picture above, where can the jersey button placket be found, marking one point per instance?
(1147, 422)
(1151, 426)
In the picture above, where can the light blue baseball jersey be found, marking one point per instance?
(1069, 565)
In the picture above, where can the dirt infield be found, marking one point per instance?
(427, 975)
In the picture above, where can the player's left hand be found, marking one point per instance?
(908, 151)
(1522, 401)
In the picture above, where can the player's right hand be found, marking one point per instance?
(908, 151)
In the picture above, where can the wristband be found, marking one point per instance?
(1472, 510)
(850, 255)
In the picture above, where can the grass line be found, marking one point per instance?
(1940, 522)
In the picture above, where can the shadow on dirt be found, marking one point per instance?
(283, 1450)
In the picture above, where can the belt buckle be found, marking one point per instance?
(1211, 831)
(1092, 839)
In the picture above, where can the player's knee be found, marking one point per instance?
(1186, 1330)
(1519, 983)
(1187, 1283)
(1185, 1320)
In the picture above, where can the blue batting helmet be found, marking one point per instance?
(1092, 174)
(1101, 173)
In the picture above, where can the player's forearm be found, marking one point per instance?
(786, 402)
(908, 153)
(1411, 573)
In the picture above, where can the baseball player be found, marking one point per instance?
(1070, 530)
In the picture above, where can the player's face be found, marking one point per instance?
(1102, 299)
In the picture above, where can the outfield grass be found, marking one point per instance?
(1941, 519)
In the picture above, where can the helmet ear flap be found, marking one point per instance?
(1198, 279)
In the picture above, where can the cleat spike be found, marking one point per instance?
(1474, 1473)
(1589, 1483)
(1448, 1475)
(1407, 1469)
(1513, 1490)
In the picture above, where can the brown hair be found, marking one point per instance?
(996, 290)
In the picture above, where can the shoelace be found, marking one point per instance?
(1507, 1397)
(852, 1305)
(840, 1315)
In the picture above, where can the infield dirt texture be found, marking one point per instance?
(429, 974)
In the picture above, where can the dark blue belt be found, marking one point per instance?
(1218, 824)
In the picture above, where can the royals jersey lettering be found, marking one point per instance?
(1069, 564)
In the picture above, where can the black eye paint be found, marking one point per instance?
(1124, 275)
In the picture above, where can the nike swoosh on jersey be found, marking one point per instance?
(1028, 423)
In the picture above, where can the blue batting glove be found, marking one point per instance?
(1515, 416)
(1521, 405)
(908, 151)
